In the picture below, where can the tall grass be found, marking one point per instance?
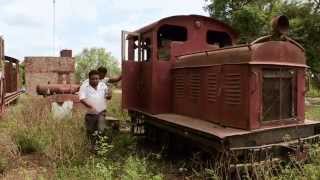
(29, 129)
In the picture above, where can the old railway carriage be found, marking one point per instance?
(185, 75)
(9, 78)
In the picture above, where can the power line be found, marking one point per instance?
(54, 26)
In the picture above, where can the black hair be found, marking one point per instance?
(102, 70)
(93, 72)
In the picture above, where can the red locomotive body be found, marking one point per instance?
(185, 75)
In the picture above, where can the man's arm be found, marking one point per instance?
(115, 80)
(85, 102)
(83, 97)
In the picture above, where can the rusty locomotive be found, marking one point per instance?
(184, 75)
(10, 87)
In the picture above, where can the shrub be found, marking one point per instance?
(136, 168)
(29, 142)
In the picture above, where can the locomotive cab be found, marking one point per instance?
(149, 53)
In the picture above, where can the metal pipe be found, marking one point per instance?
(50, 89)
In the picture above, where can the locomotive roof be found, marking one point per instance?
(181, 17)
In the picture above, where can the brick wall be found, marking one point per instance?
(41, 70)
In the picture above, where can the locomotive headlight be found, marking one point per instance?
(197, 24)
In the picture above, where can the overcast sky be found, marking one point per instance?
(27, 25)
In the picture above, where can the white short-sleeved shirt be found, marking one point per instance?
(95, 97)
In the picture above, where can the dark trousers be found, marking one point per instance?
(92, 126)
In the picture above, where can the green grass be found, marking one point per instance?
(313, 90)
(313, 113)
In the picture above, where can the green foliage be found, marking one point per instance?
(251, 18)
(22, 74)
(93, 58)
(136, 168)
(314, 91)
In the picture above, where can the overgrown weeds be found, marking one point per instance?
(30, 129)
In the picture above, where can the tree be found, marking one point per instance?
(22, 72)
(93, 58)
(251, 18)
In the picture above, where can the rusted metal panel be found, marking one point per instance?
(279, 52)
(239, 137)
(301, 91)
(130, 84)
(8, 68)
(162, 78)
(212, 95)
(255, 94)
(205, 21)
(267, 53)
(145, 89)
(234, 101)
(179, 91)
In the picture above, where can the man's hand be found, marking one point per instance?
(93, 111)
(115, 80)
(109, 93)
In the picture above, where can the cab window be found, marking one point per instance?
(146, 49)
(219, 39)
(167, 34)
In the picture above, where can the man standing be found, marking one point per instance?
(93, 96)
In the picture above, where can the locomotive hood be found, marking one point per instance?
(269, 52)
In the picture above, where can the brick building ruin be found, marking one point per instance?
(49, 70)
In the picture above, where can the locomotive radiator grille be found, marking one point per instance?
(232, 89)
(179, 85)
(212, 87)
(195, 85)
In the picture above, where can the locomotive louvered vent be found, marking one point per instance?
(232, 89)
(195, 85)
(179, 85)
(212, 87)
